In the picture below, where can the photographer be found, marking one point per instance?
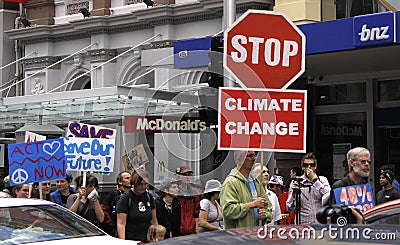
(305, 193)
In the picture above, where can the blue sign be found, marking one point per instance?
(374, 29)
(36, 161)
(192, 53)
(359, 196)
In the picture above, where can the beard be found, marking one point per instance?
(360, 172)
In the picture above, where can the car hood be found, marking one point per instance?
(89, 240)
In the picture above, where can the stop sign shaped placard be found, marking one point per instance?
(264, 49)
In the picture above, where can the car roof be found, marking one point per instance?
(16, 202)
(382, 207)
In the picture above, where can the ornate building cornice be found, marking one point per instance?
(41, 62)
(101, 55)
(173, 14)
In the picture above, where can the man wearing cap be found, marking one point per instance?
(168, 208)
(311, 189)
(388, 193)
(243, 200)
(189, 200)
(64, 190)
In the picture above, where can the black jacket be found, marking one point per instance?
(171, 221)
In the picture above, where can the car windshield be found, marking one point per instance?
(27, 224)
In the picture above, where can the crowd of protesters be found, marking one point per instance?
(248, 197)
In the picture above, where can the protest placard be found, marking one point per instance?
(135, 158)
(359, 196)
(89, 154)
(82, 130)
(36, 161)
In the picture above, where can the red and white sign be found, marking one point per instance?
(264, 49)
(262, 119)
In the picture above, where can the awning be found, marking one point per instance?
(109, 103)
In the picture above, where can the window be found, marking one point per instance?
(337, 94)
(351, 8)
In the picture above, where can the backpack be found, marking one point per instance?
(113, 211)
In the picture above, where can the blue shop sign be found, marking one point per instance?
(374, 29)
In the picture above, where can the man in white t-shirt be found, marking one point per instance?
(276, 210)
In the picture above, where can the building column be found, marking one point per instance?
(307, 11)
(40, 12)
(101, 7)
(103, 76)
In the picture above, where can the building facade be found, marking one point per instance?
(119, 61)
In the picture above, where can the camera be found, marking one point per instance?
(336, 213)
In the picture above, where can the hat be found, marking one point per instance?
(183, 169)
(276, 180)
(6, 181)
(212, 185)
(389, 175)
(166, 184)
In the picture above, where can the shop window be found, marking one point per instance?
(351, 8)
(389, 90)
(334, 132)
(337, 94)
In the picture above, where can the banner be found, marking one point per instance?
(358, 196)
(88, 154)
(36, 161)
(83, 130)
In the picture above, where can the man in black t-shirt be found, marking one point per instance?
(388, 193)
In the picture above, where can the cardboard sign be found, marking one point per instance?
(83, 130)
(135, 158)
(36, 161)
(359, 196)
(88, 154)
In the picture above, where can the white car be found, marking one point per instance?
(32, 221)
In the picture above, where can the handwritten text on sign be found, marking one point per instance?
(83, 130)
(359, 196)
(36, 161)
(85, 154)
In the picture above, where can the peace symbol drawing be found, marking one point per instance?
(19, 176)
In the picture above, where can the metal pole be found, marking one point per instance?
(228, 19)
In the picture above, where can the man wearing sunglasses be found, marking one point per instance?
(359, 164)
(311, 189)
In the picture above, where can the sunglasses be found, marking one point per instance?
(306, 165)
(365, 161)
(251, 155)
(46, 184)
(187, 174)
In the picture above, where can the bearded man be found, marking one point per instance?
(359, 162)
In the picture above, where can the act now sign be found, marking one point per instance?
(262, 119)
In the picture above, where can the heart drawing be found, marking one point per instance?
(51, 148)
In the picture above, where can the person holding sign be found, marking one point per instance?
(243, 200)
(86, 201)
(306, 192)
(359, 162)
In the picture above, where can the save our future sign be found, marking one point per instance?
(262, 119)
(49, 159)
